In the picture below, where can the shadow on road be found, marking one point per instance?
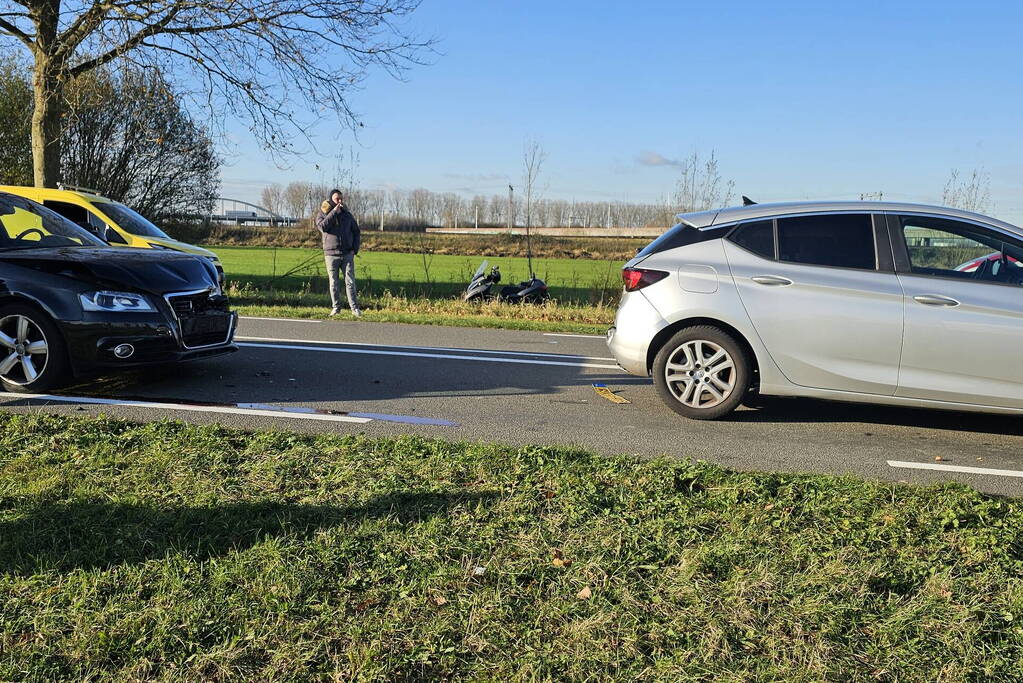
(285, 376)
(805, 410)
(101, 534)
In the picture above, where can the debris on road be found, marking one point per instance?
(605, 392)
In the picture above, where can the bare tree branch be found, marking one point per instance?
(10, 29)
(282, 65)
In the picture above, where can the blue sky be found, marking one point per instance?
(797, 100)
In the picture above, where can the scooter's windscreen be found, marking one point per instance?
(479, 271)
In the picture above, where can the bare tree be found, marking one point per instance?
(533, 157)
(128, 137)
(296, 198)
(971, 193)
(271, 62)
(272, 198)
(700, 185)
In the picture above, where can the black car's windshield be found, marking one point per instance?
(27, 225)
(131, 220)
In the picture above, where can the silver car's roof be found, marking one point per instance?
(702, 219)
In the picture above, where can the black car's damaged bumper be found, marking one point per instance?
(109, 341)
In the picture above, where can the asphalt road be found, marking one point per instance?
(533, 388)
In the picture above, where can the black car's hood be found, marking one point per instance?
(134, 269)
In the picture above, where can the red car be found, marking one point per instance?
(990, 260)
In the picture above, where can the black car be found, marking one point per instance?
(72, 305)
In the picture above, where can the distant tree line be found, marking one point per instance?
(698, 186)
(420, 207)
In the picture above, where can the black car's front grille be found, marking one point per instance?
(193, 304)
(204, 319)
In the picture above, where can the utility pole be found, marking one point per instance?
(477, 226)
(511, 209)
(609, 215)
(381, 220)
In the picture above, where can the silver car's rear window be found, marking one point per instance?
(682, 235)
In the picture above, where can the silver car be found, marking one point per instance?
(876, 302)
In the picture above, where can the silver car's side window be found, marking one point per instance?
(835, 240)
(756, 237)
(942, 247)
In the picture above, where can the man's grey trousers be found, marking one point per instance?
(336, 264)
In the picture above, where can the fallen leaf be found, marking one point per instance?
(439, 600)
(560, 560)
(769, 506)
(938, 458)
(584, 594)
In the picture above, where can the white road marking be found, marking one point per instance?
(420, 348)
(283, 320)
(189, 407)
(377, 351)
(577, 336)
(955, 468)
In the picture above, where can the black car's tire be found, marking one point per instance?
(702, 373)
(33, 355)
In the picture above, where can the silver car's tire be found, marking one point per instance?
(702, 373)
(33, 357)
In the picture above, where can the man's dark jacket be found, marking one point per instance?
(340, 230)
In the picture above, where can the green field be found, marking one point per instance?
(575, 281)
(396, 287)
(167, 552)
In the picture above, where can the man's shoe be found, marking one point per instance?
(334, 312)
(357, 312)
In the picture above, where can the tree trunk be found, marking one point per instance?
(48, 87)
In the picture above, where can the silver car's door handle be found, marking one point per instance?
(771, 280)
(935, 300)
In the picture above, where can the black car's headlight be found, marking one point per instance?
(115, 302)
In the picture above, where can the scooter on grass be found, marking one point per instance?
(481, 288)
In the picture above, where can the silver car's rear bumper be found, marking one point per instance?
(636, 324)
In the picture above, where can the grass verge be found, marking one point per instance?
(201, 553)
(451, 312)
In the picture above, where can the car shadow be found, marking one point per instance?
(775, 410)
(101, 534)
(274, 376)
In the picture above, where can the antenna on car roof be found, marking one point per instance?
(746, 201)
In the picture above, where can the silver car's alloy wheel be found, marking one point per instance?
(700, 374)
(24, 351)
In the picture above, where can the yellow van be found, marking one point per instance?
(111, 221)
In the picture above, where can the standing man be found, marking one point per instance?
(341, 240)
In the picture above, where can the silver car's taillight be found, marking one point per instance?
(638, 278)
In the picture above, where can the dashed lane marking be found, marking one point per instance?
(279, 320)
(450, 349)
(378, 351)
(260, 409)
(954, 468)
(576, 336)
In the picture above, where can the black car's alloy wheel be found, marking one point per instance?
(32, 355)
